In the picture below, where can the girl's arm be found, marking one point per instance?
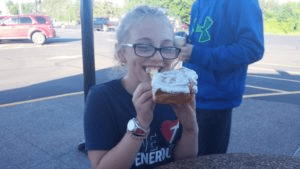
(121, 156)
(187, 146)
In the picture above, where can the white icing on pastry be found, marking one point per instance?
(175, 81)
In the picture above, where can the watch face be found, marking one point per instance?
(130, 125)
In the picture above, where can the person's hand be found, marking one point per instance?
(186, 114)
(143, 103)
(186, 52)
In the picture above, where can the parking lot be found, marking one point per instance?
(268, 120)
(276, 77)
(59, 57)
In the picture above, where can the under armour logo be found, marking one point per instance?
(203, 29)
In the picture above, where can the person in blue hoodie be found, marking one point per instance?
(225, 37)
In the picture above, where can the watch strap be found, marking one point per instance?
(139, 131)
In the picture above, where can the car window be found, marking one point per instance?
(101, 20)
(25, 20)
(12, 20)
(40, 19)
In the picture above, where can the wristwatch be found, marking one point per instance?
(134, 127)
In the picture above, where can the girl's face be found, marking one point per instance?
(151, 31)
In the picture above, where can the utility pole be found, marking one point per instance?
(87, 34)
(36, 6)
(87, 39)
(39, 5)
(20, 7)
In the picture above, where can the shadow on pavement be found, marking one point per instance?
(49, 41)
(66, 85)
(74, 84)
(15, 41)
(61, 40)
(259, 125)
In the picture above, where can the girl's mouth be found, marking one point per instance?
(152, 69)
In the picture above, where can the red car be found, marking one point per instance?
(38, 28)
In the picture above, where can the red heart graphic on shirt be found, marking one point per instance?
(169, 129)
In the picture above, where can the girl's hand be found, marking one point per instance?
(143, 103)
(186, 114)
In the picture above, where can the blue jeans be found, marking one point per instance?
(214, 131)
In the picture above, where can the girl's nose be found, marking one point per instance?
(157, 56)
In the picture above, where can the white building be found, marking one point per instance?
(3, 9)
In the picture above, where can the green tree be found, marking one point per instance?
(281, 18)
(272, 5)
(270, 8)
(181, 9)
(106, 9)
(175, 8)
(51, 7)
(66, 10)
(289, 17)
(28, 8)
(12, 8)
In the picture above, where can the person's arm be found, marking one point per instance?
(248, 47)
(121, 156)
(123, 153)
(187, 146)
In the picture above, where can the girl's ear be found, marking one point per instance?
(120, 54)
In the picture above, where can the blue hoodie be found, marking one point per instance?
(227, 36)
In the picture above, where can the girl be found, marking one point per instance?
(124, 127)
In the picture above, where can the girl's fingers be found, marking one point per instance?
(146, 96)
(142, 93)
(141, 88)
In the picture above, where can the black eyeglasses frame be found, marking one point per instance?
(155, 50)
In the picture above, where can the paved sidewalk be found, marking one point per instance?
(45, 134)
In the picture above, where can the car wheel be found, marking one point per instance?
(38, 38)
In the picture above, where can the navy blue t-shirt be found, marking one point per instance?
(108, 109)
